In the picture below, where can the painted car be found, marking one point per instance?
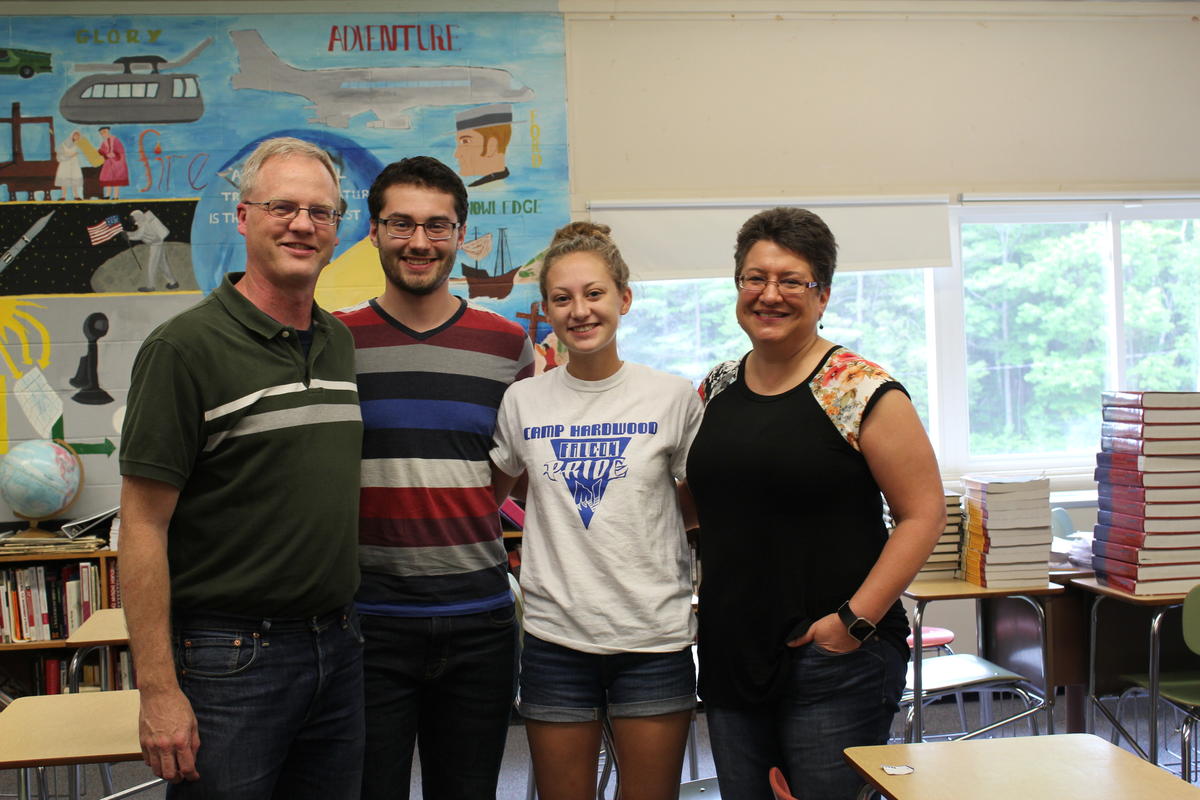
(25, 63)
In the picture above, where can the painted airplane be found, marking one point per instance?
(339, 94)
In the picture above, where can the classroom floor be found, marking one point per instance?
(514, 773)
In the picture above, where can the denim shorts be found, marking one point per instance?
(559, 684)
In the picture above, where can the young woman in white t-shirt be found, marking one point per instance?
(605, 575)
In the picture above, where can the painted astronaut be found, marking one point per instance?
(150, 230)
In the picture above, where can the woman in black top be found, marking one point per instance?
(802, 635)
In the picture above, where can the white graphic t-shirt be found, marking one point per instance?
(604, 559)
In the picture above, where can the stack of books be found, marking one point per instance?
(1147, 536)
(1008, 531)
(943, 561)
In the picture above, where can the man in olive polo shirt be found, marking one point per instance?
(239, 508)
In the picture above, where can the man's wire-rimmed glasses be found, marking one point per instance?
(757, 284)
(286, 209)
(436, 230)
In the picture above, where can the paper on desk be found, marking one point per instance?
(897, 769)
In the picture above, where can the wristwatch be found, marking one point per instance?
(858, 627)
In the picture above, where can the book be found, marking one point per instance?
(1137, 538)
(1006, 581)
(1149, 431)
(1145, 572)
(52, 675)
(54, 601)
(1149, 524)
(1142, 494)
(978, 536)
(1150, 447)
(114, 584)
(41, 603)
(1133, 477)
(1150, 399)
(1155, 510)
(86, 592)
(1152, 415)
(991, 484)
(1134, 554)
(1147, 587)
(1020, 554)
(1034, 569)
(1146, 463)
(1018, 516)
(74, 606)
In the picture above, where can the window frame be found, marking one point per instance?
(949, 401)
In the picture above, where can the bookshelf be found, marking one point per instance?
(22, 663)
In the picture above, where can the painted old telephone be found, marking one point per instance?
(87, 377)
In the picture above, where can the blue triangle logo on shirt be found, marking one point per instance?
(586, 466)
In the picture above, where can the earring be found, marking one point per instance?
(820, 325)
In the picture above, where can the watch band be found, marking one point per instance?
(858, 627)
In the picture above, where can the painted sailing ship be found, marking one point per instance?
(497, 282)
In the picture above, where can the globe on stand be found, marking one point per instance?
(40, 479)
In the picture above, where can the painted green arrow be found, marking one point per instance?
(86, 448)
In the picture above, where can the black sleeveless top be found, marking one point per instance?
(791, 520)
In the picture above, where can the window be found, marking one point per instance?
(1005, 353)
(688, 326)
(1059, 302)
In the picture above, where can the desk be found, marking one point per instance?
(1027, 767)
(104, 628)
(1159, 604)
(925, 592)
(1008, 632)
(70, 729)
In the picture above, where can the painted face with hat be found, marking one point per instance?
(482, 135)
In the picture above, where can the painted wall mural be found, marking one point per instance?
(121, 144)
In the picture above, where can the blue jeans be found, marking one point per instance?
(279, 704)
(445, 685)
(559, 684)
(832, 702)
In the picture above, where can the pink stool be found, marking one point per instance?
(937, 639)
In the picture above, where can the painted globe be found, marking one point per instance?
(39, 478)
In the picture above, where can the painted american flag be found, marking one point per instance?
(101, 232)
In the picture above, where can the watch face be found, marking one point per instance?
(861, 630)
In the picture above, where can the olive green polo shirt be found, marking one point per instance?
(263, 444)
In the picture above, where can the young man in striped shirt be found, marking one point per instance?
(437, 613)
(239, 512)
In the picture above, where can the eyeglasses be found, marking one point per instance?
(286, 209)
(756, 284)
(436, 230)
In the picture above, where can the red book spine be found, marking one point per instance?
(1118, 536)
(1121, 552)
(1116, 581)
(1111, 566)
(1136, 508)
(1152, 430)
(52, 669)
(1122, 493)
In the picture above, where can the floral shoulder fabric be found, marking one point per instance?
(844, 386)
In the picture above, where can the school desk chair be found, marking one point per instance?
(943, 676)
(1181, 689)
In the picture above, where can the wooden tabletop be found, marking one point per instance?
(1093, 585)
(105, 626)
(1069, 765)
(87, 728)
(954, 589)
